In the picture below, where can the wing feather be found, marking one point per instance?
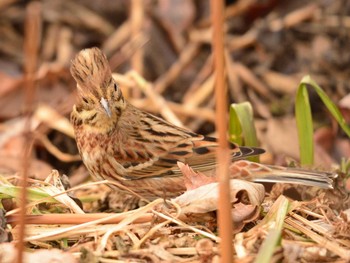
(152, 147)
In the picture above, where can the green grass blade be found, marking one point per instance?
(304, 125)
(34, 194)
(304, 118)
(333, 109)
(241, 127)
(235, 128)
(277, 213)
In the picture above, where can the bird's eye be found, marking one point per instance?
(85, 100)
(115, 87)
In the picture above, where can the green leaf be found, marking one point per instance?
(34, 194)
(304, 118)
(304, 124)
(333, 109)
(241, 127)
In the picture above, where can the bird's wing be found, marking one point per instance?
(153, 159)
(151, 147)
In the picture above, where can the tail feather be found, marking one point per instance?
(276, 174)
(321, 180)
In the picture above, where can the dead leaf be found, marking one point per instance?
(8, 254)
(55, 188)
(246, 197)
(193, 179)
(282, 140)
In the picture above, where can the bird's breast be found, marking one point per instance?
(93, 148)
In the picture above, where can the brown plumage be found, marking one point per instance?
(124, 144)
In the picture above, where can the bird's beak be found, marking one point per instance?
(105, 106)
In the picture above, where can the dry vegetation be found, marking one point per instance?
(162, 54)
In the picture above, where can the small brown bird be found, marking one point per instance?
(140, 151)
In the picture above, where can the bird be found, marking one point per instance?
(137, 151)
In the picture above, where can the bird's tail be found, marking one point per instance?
(277, 174)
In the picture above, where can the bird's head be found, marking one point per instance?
(100, 101)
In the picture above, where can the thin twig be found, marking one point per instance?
(137, 22)
(31, 46)
(224, 211)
